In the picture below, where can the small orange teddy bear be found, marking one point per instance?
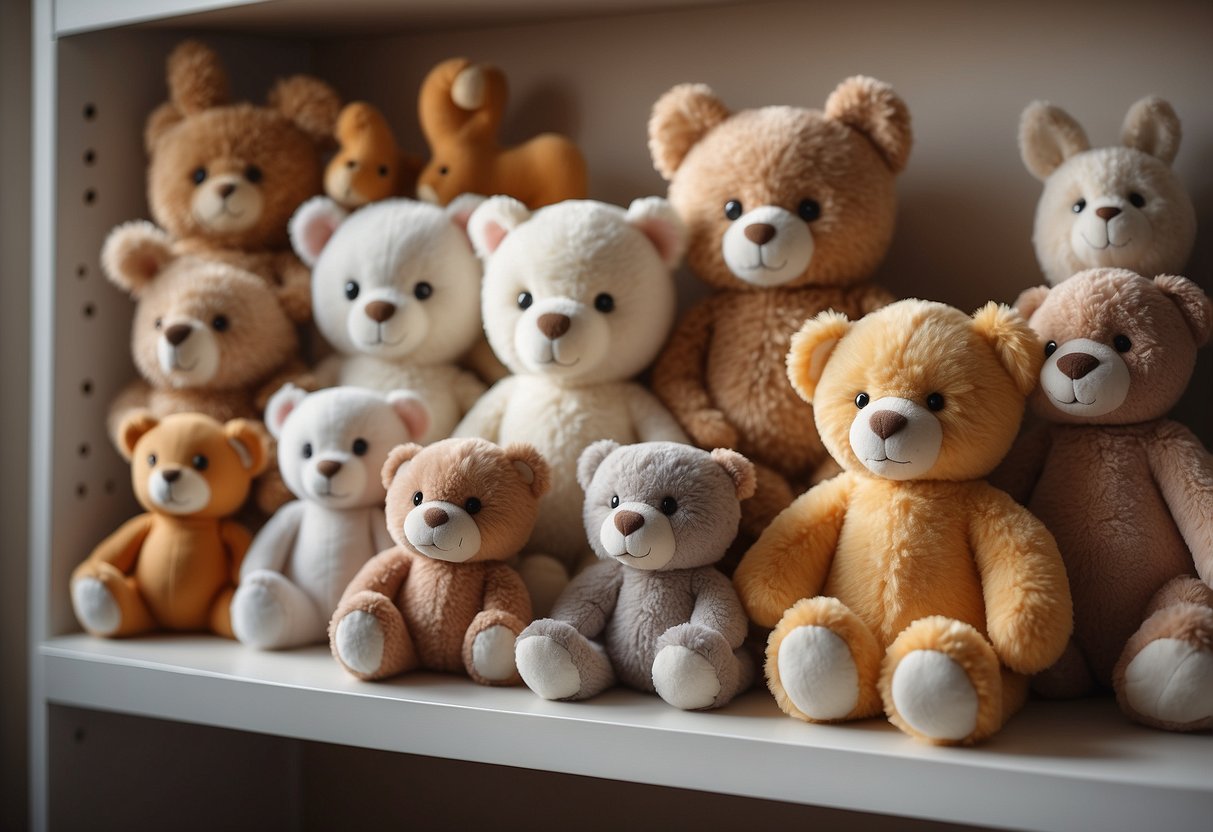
(369, 165)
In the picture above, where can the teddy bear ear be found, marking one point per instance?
(134, 426)
(1048, 136)
(1030, 300)
(310, 103)
(281, 405)
(158, 123)
(313, 225)
(247, 438)
(412, 410)
(531, 467)
(134, 254)
(1015, 345)
(196, 79)
(875, 110)
(396, 458)
(680, 119)
(495, 218)
(656, 219)
(462, 207)
(811, 348)
(740, 470)
(1152, 126)
(591, 458)
(1195, 305)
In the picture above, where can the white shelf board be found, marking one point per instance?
(1057, 766)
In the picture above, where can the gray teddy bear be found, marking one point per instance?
(654, 613)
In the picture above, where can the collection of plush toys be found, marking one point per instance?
(542, 517)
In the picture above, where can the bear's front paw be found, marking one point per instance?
(95, 607)
(493, 653)
(708, 428)
(1170, 682)
(358, 642)
(547, 667)
(684, 678)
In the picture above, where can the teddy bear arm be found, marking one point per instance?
(792, 558)
(484, 419)
(236, 540)
(588, 602)
(505, 592)
(295, 286)
(1183, 470)
(384, 574)
(653, 423)
(718, 608)
(274, 543)
(120, 549)
(678, 373)
(1029, 614)
(1020, 470)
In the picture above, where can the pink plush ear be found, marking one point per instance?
(591, 458)
(495, 218)
(134, 426)
(395, 459)
(1195, 305)
(134, 254)
(461, 209)
(1015, 344)
(811, 349)
(656, 219)
(1048, 136)
(281, 405)
(412, 410)
(1030, 300)
(531, 467)
(740, 470)
(313, 225)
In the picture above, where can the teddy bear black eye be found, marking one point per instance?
(809, 210)
(151, 460)
(615, 501)
(221, 323)
(422, 290)
(861, 401)
(604, 303)
(472, 506)
(1078, 206)
(1122, 343)
(935, 401)
(199, 176)
(253, 174)
(360, 447)
(1137, 200)
(444, 170)
(668, 505)
(307, 450)
(525, 300)
(383, 171)
(351, 290)
(732, 209)
(1050, 348)
(417, 498)
(200, 462)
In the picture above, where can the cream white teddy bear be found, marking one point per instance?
(1119, 206)
(577, 300)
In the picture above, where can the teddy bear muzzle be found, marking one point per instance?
(188, 352)
(443, 531)
(554, 336)
(896, 438)
(768, 246)
(638, 535)
(1085, 378)
(1108, 231)
(335, 479)
(178, 490)
(227, 203)
(384, 322)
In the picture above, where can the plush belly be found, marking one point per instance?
(435, 384)
(330, 549)
(439, 601)
(181, 569)
(649, 604)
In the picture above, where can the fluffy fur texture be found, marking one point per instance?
(1119, 206)
(460, 106)
(332, 446)
(174, 567)
(577, 300)
(655, 614)
(442, 598)
(1127, 493)
(789, 212)
(908, 549)
(395, 287)
(224, 178)
(368, 166)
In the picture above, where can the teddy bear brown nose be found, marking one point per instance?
(885, 423)
(553, 325)
(435, 517)
(1107, 212)
(177, 333)
(760, 233)
(628, 522)
(171, 474)
(1077, 364)
(380, 310)
(328, 468)
(226, 190)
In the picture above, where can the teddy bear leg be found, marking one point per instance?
(488, 648)
(557, 662)
(270, 613)
(942, 682)
(695, 668)
(108, 603)
(545, 578)
(822, 663)
(1068, 677)
(369, 638)
(1164, 677)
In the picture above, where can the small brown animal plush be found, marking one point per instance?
(175, 567)
(443, 599)
(368, 166)
(461, 105)
(225, 178)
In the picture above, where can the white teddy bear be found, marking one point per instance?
(577, 300)
(394, 290)
(1112, 206)
(332, 445)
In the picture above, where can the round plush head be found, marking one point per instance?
(189, 465)
(783, 196)
(199, 324)
(1112, 206)
(463, 500)
(233, 173)
(1118, 348)
(917, 390)
(332, 444)
(366, 167)
(662, 505)
(579, 291)
(397, 279)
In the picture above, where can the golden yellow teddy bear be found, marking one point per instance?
(907, 580)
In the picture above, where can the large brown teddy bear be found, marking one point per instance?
(443, 598)
(176, 566)
(1127, 492)
(907, 580)
(789, 212)
(225, 178)
(461, 105)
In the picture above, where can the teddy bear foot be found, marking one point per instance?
(95, 607)
(1170, 682)
(818, 673)
(359, 642)
(684, 678)
(934, 695)
(258, 618)
(493, 653)
(547, 667)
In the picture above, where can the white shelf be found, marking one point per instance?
(1057, 766)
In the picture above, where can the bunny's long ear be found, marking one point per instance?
(1152, 126)
(1048, 136)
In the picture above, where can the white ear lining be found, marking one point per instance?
(246, 458)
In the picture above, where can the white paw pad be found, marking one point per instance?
(818, 673)
(359, 642)
(493, 653)
(95, 607)
(684, 678)
(547, 668)
(934, 695)
(258, 617)
(1171, 681)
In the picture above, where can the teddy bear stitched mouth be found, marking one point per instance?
(764, 266)
(1107, 245)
